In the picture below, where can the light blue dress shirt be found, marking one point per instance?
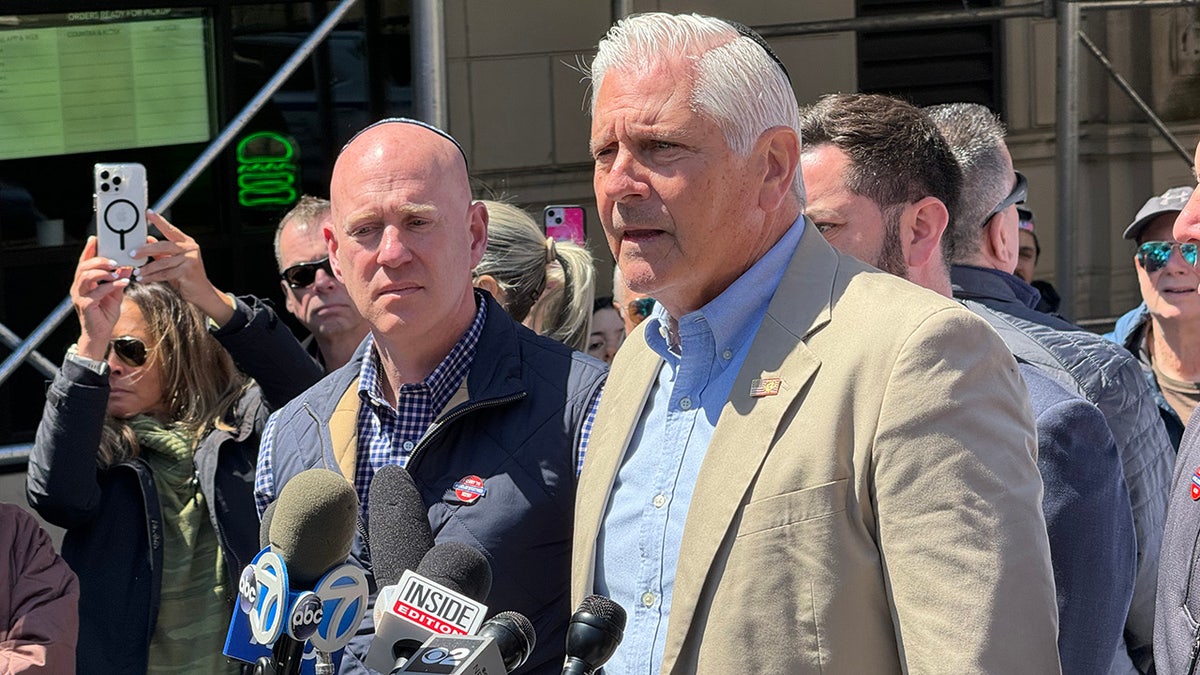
(638, 546)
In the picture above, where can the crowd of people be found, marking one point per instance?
(824, 423)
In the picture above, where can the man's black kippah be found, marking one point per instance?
(746, 31)
(408, 120)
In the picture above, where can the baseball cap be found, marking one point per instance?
(1171, 201)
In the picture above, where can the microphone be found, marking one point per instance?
(439, 598)
(501, 646)
(593, 635)
(299, 589)
(398, 529)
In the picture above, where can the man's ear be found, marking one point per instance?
(997, 245)
(477, 221)
(925, 221)
(289, 299)
(780, 151)
(332, 243)
(488, 283)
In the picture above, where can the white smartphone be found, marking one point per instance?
(121, 200)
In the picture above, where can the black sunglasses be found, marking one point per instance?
(1017, 196)
(1153, 255)
(129, 349)
(303, 275)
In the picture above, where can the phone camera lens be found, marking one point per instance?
(104, 187)
(116, 180)
(104, 175)
(558, 221)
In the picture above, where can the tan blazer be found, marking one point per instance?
(880, 514)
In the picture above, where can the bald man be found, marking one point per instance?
(446, 384)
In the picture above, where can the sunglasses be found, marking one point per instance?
(1153, 255)
(129, 349)
(1017, 196)
(304, 274)
(640, 309)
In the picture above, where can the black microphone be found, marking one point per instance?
(593, 635)
(459, 567)
(501, 645)
(513, 635)
(311, 529)
(398, 524)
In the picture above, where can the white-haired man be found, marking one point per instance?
(801, 466)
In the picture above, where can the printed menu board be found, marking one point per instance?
(89, 81)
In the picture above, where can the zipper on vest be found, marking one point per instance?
(440, 424)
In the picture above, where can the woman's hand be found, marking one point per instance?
(97, 292)
(177, 261)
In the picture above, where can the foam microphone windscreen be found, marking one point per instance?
(459, 567)
(313, 525)
(398, 524)
(264, 527)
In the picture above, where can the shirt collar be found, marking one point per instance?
(445, 378)
(733, 316)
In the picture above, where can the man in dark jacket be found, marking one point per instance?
(983, 244)
(1089, 519)
(1176, 627)
(446, 384)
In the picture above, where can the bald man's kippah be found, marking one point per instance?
(406, 120)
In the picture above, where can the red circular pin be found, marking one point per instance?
(469, 489)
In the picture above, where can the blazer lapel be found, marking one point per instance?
(748, 423)
(634, 372)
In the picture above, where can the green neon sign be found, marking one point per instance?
(267, 170)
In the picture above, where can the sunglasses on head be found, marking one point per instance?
(1153, 255)
(303, 275)
(129, 349)
(1017, 196)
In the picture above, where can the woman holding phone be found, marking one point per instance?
(145, 454)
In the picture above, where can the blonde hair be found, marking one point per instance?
(553, 280)
(200, 381)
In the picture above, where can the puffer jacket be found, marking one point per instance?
(1130, 333)
(1110, 378)
(112, 516)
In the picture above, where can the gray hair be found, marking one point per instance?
(736, 83)
(523, 261)
(976, 136)
(309, 210)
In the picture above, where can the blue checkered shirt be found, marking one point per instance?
(388, 435)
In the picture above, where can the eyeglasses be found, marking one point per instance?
(640, 309)
(1017, 196)
(129, 349)
(1153, 255)
(303, 275)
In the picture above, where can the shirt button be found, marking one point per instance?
(685, 403)
(727, 354)
(648, 599)
(408, 445)
(659, 500)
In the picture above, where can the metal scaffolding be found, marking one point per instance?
(429, 78)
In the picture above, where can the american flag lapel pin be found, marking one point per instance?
(765, 386)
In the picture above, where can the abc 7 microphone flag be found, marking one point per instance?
(326, 617)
